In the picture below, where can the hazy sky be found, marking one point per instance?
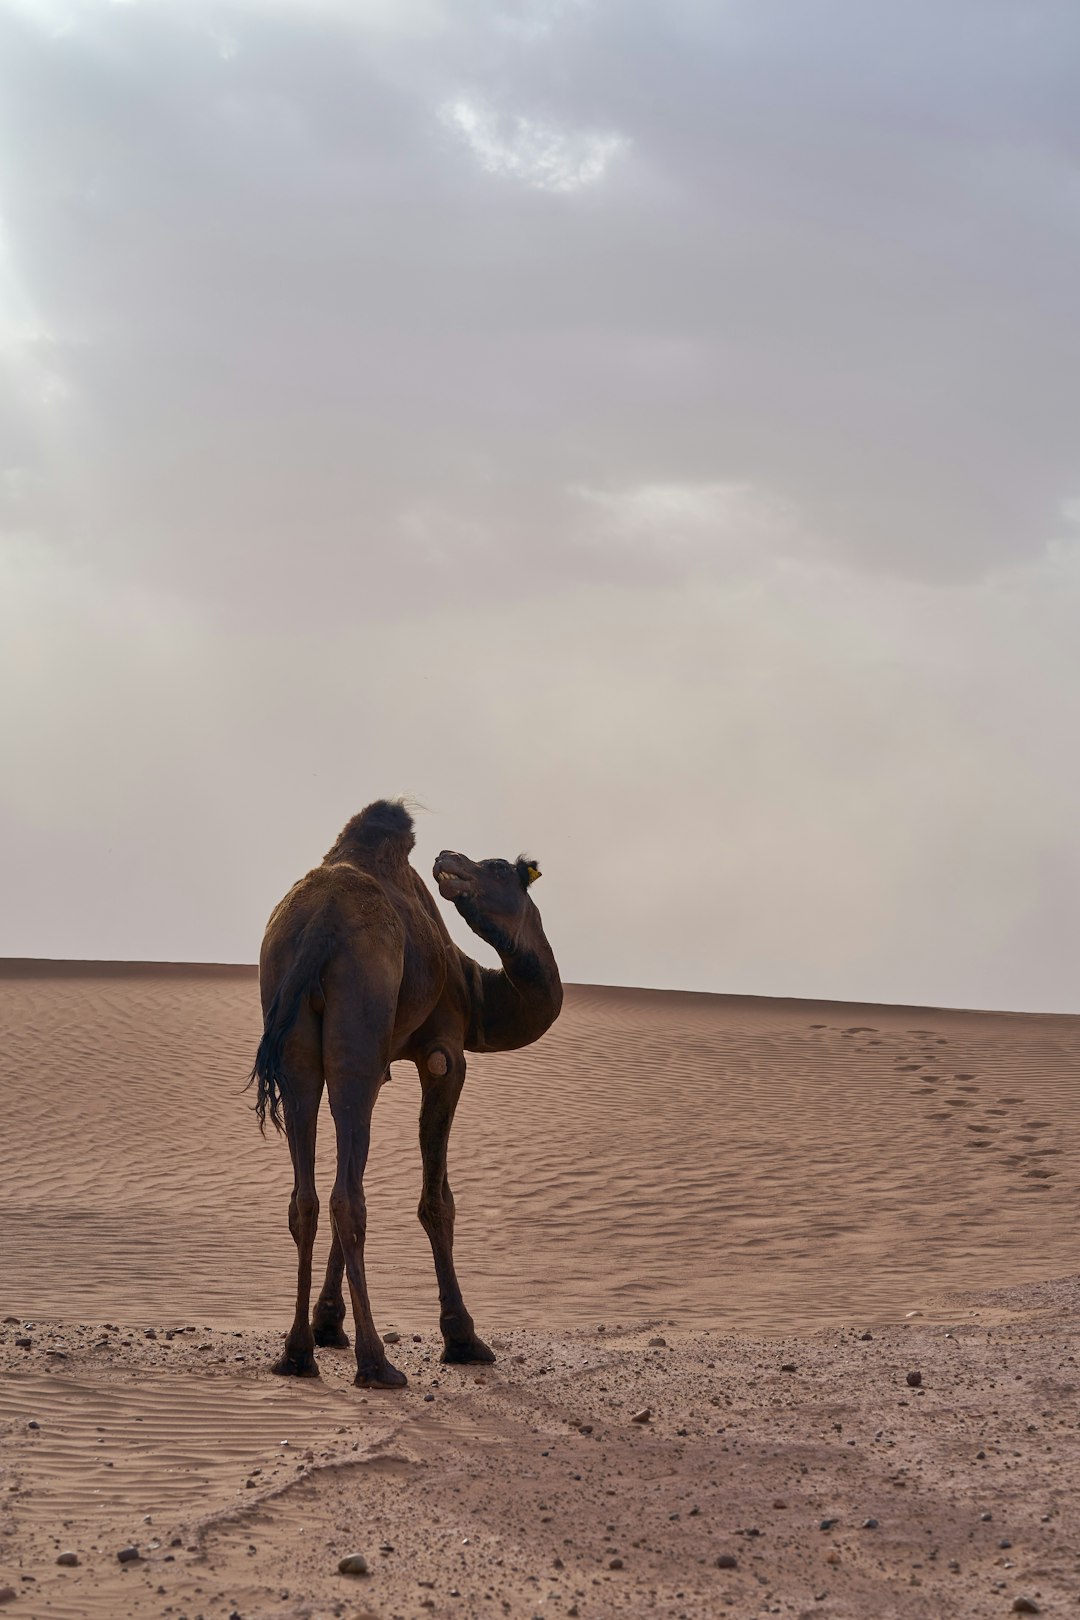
(648, 434)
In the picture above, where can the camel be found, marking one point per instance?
(357, 970)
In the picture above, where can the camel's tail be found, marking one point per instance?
(313, 950)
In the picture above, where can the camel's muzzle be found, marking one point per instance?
(454, 874)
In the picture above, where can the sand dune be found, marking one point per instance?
(764, 1165)
(703, 1170)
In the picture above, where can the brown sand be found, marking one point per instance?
(715, 1171)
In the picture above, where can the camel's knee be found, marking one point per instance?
(348, 1208)
(436, 1213)
(303, 1214)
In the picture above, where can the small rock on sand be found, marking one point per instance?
(644, 1416)
(128, 1555)
(8, 1594)
(657, 1344)
(1026, 1605)
(391, 1337)
(69, 1559)
(914, 1379)
(727, 1561)
(788, 1366)
(353, 1564)
(616, 1563)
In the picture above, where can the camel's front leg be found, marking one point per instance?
(442, 1075)
(329, 1314)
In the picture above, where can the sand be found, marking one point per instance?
(759, 1183)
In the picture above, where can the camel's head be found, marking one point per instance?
(495, 891)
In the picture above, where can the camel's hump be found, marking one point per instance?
(385, 821)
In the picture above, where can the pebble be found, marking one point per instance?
(150, 1333)
(1023, 1605)
(986, 1517)
(914, 1379)
(128, 1555)
(12, 1321)
(788, 1366)
(727, 1561)
(616, 1563)
(910, 1314)
(657, 1344)
(429, 1397)
(644, 1416)
(391, 1338)
(869, 1524)
(866, 1337)
(8, 1594)
(1004, 1543)
(827, 1524)
(23, 1342)
(69, 1559)
(353, 1564)
(33, 1424)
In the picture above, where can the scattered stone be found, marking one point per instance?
(68, 1559)
(23, 1341)
(986, 1517)
(827, 1524)
(33, 1424)
(150, 1333)
(865, 1337)
(429, 1397)
(779, 1503)
(353, 1564)
(914, 1379)
(727, 1561)
(869, 1524)
(8, 1594)
(585, 1428)
(1004, 1543)
(1025, 1605)
(615, 1563)
(644, 1416)
(129, 1555)
(657, 1344)
(392, 1337)
(788, 1366)
(12, 1321)
(910, 1314)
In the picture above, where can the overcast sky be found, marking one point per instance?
(647, 434)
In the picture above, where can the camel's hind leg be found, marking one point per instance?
(440, 1098)
(304, 1059)
(356, 1037)
(328, 1317)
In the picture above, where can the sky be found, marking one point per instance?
(645, 434)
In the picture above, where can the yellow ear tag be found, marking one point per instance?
(534, 873)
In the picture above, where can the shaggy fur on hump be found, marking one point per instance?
(385, 821)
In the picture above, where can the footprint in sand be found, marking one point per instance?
(963, 1077)
(1009, 1099)
(861, 1029)
(1037, 1124)
(958, 1102)
(970, 1090)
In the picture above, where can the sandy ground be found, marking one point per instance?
(768, 1187)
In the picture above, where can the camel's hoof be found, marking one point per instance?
(382, 1375)
(331, 1337)
(291, 1365)
(464, 1350)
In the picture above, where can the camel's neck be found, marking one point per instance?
(513, 1006)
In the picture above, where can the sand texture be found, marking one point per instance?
(758, 1183)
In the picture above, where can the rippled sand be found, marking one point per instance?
(644, 1197)
(736, 1162)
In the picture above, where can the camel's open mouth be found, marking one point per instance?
(452, 875)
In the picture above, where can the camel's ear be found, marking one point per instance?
(527, 871)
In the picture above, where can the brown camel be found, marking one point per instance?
(357, 970)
